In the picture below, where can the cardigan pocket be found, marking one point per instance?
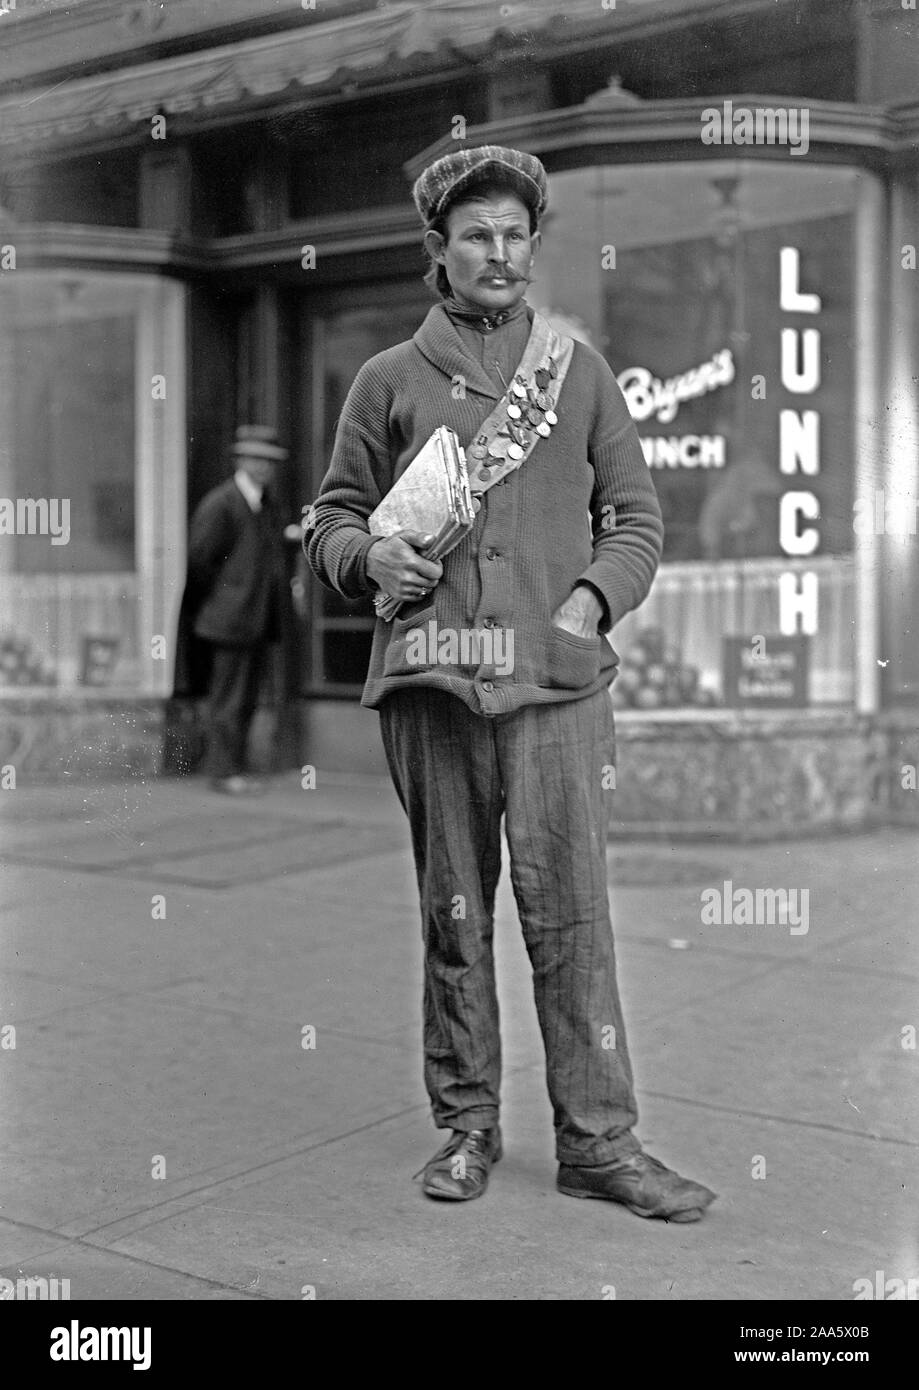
(572, 662)
(412, 645)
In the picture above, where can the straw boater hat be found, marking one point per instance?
(257, 442)
(446, 179)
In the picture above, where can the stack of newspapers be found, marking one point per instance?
(431, 496)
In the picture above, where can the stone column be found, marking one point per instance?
(900, 484)
(870, 290)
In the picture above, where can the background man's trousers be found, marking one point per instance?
(456, 772)
(236, 674)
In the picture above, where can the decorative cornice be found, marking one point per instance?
(245, 75)
(42, 245)
(397, 40)
(608, 133)
(341, 235)
(43, 37)
(46, 244)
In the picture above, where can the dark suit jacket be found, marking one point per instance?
(235, 581)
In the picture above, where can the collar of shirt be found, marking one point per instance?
(497, 350)
(477, 318)
(250, 490)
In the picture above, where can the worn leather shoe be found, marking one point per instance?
(640, 1183)
(459, 1171)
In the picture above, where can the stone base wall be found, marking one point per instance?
(47, 739)
(716, 774)
(762, 776)
(902, 782)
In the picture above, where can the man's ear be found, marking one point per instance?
(434, 245)
(535, 243)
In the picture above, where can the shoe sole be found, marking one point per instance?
(679, 1217)
(437, 1195)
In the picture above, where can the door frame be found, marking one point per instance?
(309, 443)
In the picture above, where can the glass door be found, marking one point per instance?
(338, 332)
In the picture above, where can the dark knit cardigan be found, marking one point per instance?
(582, 508)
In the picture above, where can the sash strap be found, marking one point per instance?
(504, 441)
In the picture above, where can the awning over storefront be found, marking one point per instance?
(395, 39)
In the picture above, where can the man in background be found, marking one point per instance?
(231, 606)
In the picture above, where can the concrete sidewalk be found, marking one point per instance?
(166, 1133)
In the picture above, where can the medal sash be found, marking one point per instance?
(507, 437)
(525, 414)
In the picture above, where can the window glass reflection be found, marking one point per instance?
(673, 273)
(721, 295)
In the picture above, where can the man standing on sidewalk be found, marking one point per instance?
(231, 607)
(566, 541)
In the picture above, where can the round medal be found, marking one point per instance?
(518, 389)
(542, 378)
(543, 401)
(515, 452)
(514, 412)
(551, 417)
(544, 430)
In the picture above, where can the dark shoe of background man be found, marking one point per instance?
(238, 785)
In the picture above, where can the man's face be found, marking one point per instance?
(488, 250)
(260, 470)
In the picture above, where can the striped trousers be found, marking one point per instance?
(543, 768)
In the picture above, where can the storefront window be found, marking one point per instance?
(721, 296)
(86, 487)
(73, 400)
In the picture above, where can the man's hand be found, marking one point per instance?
(580, 613)
(397, 567)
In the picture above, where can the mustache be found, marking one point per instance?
(506, 273)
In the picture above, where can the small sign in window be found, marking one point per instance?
(98, 658)
(767, 672)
